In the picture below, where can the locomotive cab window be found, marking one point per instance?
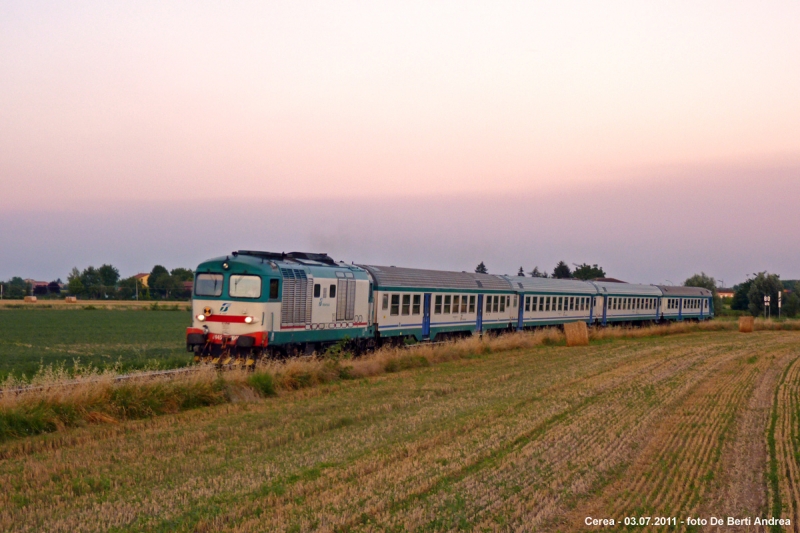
(208, 285)
(244, 286)
(332, 291)
(317, 290)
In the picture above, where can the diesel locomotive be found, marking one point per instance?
(252, 304)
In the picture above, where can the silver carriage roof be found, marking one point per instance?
(548, 285)
(678, 291)
(417, 278)
(626, 289)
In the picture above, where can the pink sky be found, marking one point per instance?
(117, 104)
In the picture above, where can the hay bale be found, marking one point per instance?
(577, 334)
(746, 324)
(30, 299)
(71, 299)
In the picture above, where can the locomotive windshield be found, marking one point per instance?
(245, 286)
(208, 285)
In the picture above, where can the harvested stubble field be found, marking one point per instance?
(535, 438)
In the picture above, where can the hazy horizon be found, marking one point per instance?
(427, 134)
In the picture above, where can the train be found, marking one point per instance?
(253, 304)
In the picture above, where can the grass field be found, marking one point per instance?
(701, 424)
(136, 339)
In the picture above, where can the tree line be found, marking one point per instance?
(582, 272)
(104, 282)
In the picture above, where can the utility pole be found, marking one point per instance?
(767, 300)
(780, 295)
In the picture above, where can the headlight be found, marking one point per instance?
(248, 320)
(200, 317)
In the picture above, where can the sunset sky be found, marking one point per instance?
(658, 139)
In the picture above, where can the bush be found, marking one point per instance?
(263, 383)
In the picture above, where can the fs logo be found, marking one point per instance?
(224, 308)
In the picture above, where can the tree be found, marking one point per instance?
(109, 276)
(15, 288)
(764, 284)
(536, 273)
(791, 305)
(741, 300)
(40, 290)
(160, 282)
(705, 281)
(54, 287)
(74, 283)
(182, 274)
(521, 272)
(129, 288)
(562, 271)
(92, 282)
(481, 269)
(586, 272)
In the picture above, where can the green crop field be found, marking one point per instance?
(101, 337)
(538, 438)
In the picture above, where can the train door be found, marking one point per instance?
(520, 311)
(479, 319)
(426, 316)
(605, 309)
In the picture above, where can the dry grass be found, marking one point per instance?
(746, 324)
(783, 442)
(58, 399)
(513, 440)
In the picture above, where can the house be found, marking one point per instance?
(142, 278)
(725, 293)
(33, 283)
